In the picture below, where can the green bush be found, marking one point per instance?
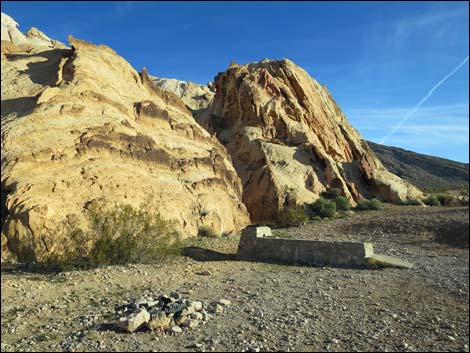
(292, 216)
(410, 202)
(207, 231)
(362, 205)
(441, 199)
(342, 203)
(432, 201)
(121, 234)
(332, 193)
(324, 208)
(365, 205)
(375, 204)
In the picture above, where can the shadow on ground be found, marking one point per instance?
(201, 254)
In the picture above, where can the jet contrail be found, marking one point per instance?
(421, 102)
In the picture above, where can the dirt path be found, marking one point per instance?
(274, 307)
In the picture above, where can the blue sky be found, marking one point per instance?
(378, 59)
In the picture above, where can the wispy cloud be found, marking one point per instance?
(435, 20)
(387, 115)
(413, 111)
(434, 127)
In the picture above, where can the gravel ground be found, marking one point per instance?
(273, 307)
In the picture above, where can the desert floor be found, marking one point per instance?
(273, 307)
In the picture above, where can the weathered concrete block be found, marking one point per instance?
(377, 260)
(257, 244)
(258, 232)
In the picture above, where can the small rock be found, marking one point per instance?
(197, 305)
(216, 308)
(176, 329)
(188, 311)
(225, 302)
(134, 320)
(204, 273)
(180, 319)
(175, 295)
(158, 321)
(191, 323)
(197, 316)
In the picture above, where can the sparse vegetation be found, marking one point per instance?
(375, 204)
(121, 234)
(324, 208)
(410, 202)
(366, 205)
(292, 216)
(342, 203)
(441, 199)
(332, 193)
(432, 201)
(207, 231)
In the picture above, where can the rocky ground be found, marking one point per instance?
(273, 307)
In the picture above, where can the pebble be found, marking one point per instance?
(204, 273)
(176, 329)
(225, 302)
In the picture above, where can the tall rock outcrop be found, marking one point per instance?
(289, 140)
(80, 125)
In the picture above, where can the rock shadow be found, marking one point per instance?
(201, 254)
(30, 268)
(45, 72)
(22, 106)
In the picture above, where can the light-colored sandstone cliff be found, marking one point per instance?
(34, 37)
(289, 140)
(196, 97)
(81, 125)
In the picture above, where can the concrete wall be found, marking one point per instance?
(259, 246)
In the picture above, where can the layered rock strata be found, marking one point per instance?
(80, 125)
(290, 141)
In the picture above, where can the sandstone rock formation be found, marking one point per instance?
(196, 97)
(34, 37)
(289, 140)
(81, 125)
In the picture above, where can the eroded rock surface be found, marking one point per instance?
(196, 97)
(81, 125)
(290, 141)
(34, 37)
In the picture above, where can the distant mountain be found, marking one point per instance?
(426, 172)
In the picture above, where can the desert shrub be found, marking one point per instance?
(362, 205)
(332, 193)
(121, 234)
(372, 204)
(207, 231)
(441, 199)
(375, 204)
(292, 216)
(324, 208)
(342, 203)
(432, 201)
(410, 202)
